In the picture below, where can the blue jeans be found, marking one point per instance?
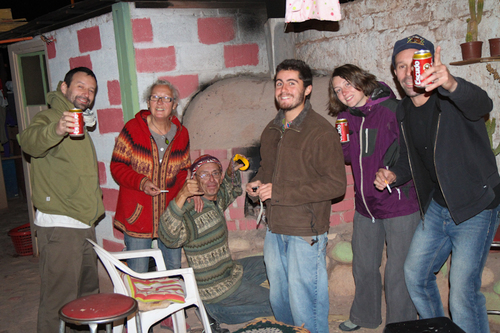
(172, 257)
(249, 301)
(298, 280)
(469, 243)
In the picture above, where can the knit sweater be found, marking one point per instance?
(204, 237)
(64, 173)
(135, 160)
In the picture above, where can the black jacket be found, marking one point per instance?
(465, 165)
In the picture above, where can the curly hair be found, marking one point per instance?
(305, 73)
(360, 79)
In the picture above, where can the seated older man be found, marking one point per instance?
(230, 289)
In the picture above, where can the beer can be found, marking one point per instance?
(343, 129)
(78, 129)
(422, 61)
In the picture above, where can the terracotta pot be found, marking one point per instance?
(471, 50)
(494, 47)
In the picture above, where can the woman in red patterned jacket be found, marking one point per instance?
(150, 162)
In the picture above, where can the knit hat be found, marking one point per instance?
(204, 159)
(412, 42)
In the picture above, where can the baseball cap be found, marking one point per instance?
(411, 42)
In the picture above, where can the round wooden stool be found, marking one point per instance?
(98, 309)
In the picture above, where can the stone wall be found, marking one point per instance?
(369, 28)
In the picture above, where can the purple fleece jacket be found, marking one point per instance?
(374, 143)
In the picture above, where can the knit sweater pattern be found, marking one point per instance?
(135, 160)
(204, 237)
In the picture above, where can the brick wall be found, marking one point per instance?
(367, 33)
(188, 47)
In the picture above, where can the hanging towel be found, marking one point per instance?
(302, 10)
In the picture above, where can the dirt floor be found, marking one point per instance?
(20, 283)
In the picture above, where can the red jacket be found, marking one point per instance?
(135, 160)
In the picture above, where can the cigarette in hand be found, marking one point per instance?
(163, 191)
(388, 187)
(387, 184)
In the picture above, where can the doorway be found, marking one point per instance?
(30, 81)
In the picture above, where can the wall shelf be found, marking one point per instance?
(475, 61)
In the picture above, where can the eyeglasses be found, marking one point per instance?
(206, 175)
(166, 99)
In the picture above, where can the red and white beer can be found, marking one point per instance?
(343, 129)
(422, 61)
(78, 129)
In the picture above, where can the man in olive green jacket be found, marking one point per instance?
(67, 196)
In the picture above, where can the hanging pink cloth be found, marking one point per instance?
(302, 10)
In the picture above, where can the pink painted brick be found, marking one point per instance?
(83, 61)
(247, 224)
(51, 50)
(221, 154)
(349, 192)
(195, 154)
(242, 224)
(114, 92)
(186, 84)
(89, 39)
(350, 179)
(213, 30)
(344, 205)
(118, 234)
(231, 225)
(102, 173)
(236, 213)
(112, 246)
(110, 120)
(240, 201)
(241, 55)
(225, 164)
(109, 198)
(348, 216)
(335, 219)
(348, 170)
(161, 59)
(142, 31)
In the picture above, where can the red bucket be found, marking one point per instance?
(21, 237)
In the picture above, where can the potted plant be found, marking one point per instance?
(494, 47)
(472, 47)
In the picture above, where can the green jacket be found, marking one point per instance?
(64, 173)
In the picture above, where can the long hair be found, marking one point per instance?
(360, 79)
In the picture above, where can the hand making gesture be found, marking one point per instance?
(438, 75)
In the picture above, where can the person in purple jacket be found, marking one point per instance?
(381, 216)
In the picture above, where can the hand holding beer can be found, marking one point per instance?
(343, 129)
(79, 123)
(422, 61)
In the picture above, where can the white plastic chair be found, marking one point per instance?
(112, 263)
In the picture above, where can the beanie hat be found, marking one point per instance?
(412, 42)
(204, 159)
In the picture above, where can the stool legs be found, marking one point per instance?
(93, 327)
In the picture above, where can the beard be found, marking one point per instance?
(80, 102)
(295, 101)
